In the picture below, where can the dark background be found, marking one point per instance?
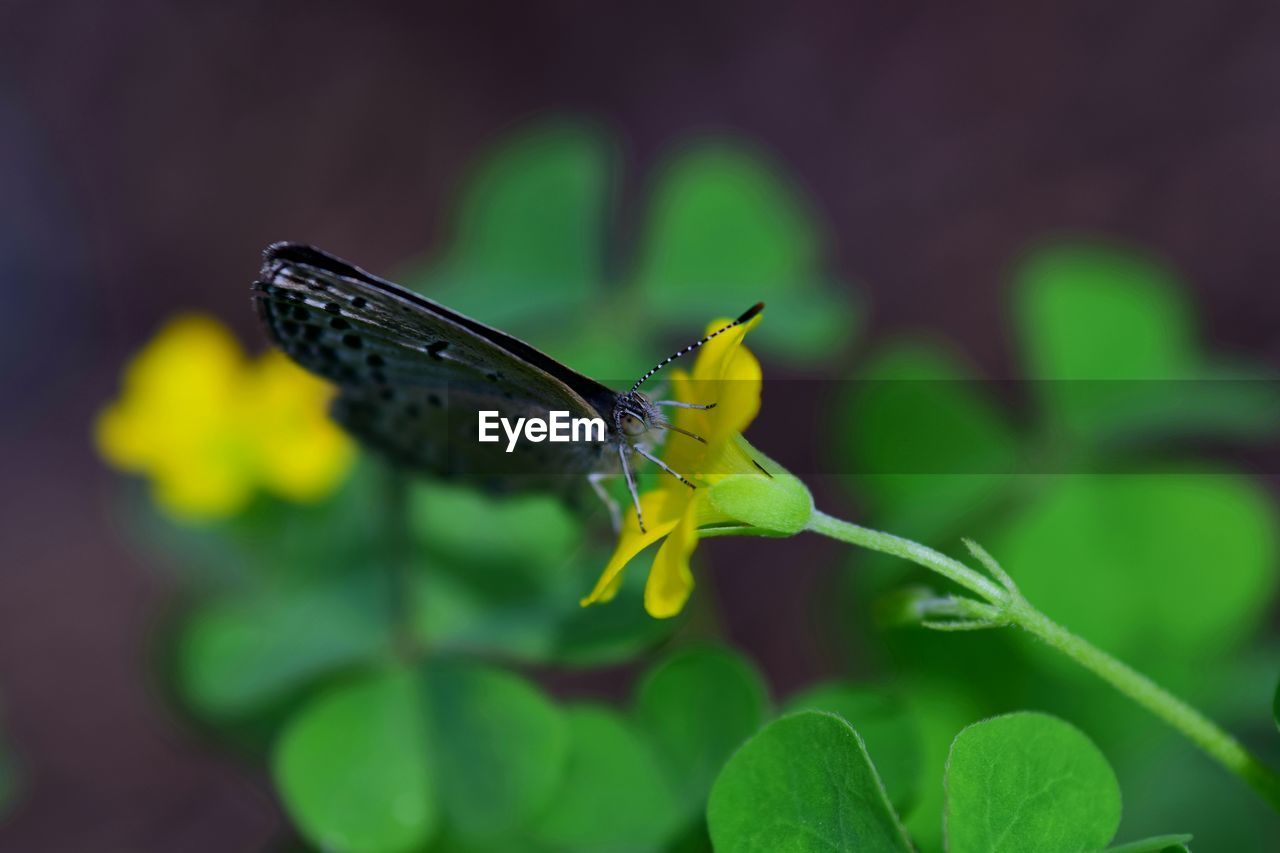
(149, 150)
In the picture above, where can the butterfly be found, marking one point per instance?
(413, 377)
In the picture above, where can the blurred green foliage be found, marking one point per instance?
(381, 678)
(367, 665)
(398, 754)
(538, 250)
(1121, 532)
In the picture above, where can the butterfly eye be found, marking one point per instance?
(631, 425)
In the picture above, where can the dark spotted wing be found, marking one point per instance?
(413, 374)
(435, 430)
(359, 330)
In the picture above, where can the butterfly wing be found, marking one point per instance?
(436, 431)
(356, 329)
(414, 374)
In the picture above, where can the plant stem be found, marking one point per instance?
(1016, 610)
(887, 543)
(1195, 726)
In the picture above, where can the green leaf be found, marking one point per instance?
(887, 727)
(926, 445)
(614, 795)
(805, 783)
(591, 636)
(371, 764)
(725, 230)
(1167, 571)
(528, 611)
(596, 344)
(1028, 781)
(238, 653)
(1140, 418)
(698, 706)
(1275, 707)
(271, 539)
(1089, 311)
(531, 230)
(498, 745)
(1172, 784)
(516, 595)
(941, 709)
(1156, 844)
(537, 530)
(813, 323)
(351, 767)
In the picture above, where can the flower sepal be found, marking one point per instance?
(766, 498)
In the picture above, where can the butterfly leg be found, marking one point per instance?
(680, 405)
(631, 484)
(615, 512)
(675, 428)
(664, 466)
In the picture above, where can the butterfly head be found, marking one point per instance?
(634, 415)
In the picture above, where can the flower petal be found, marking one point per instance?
(737, 396)
(730, 377)
(209, 427)
(662, 512)
(300, 453)
(670, 580)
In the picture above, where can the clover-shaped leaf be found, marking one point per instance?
(528, 244)
(378, 762)
(1165, 570)
(724, 228)
(1087, 310)
(614, 794)
(352, 766)
(1108, 341)
(1109, 336)
(885, 724)
(804, 783)
(517, 594)
(924, 442)
(237, 653)
(498, 745)
(1028, 781)
(697, 707)
(1170, 571)
(537, 531)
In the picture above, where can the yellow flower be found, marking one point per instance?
(209, 427)
(733, 491)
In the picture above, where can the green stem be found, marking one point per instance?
(1016, 610)
(1195, 726)
(887, 543)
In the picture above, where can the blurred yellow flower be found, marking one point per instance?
(724, 373)
(210, 427)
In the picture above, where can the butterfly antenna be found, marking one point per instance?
(746, 316)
